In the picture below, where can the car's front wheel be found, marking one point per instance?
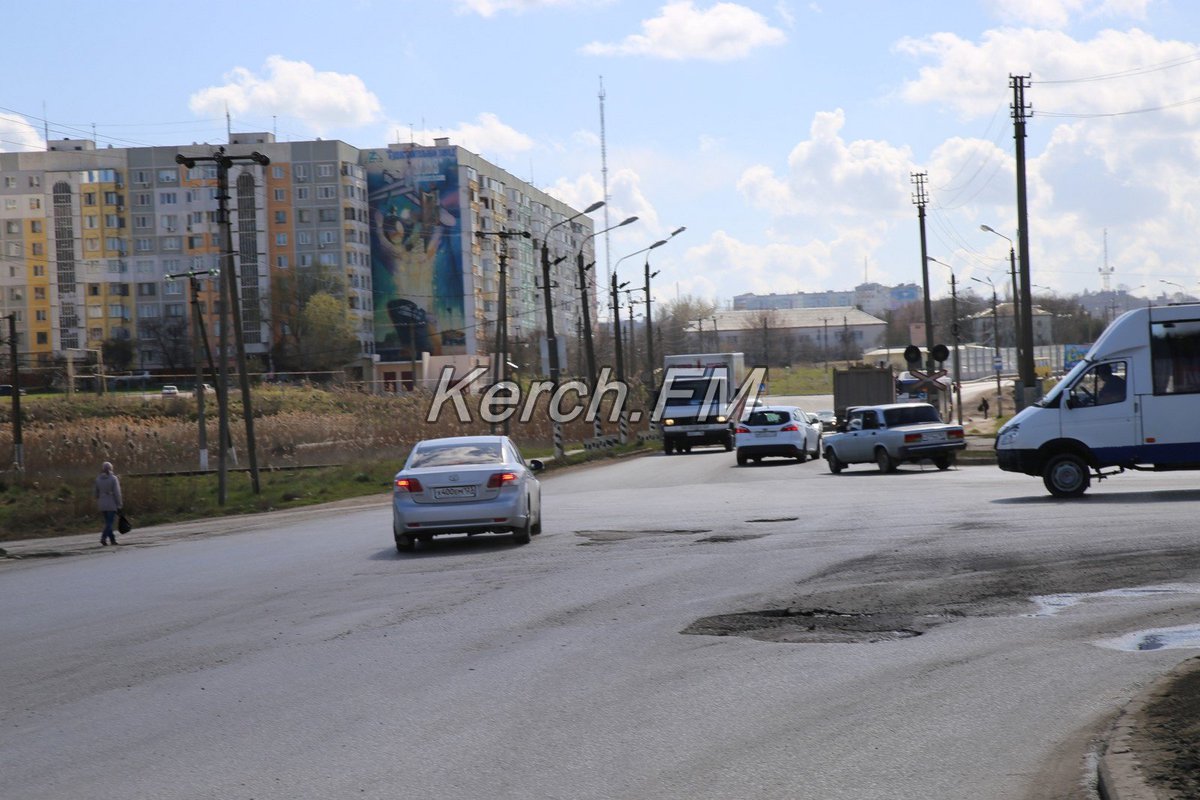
(1066, 475)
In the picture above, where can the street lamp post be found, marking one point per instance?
(551, 339)
(954, 330)
(1016, 305)
(589, 348)
(649, 321)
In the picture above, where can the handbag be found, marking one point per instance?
(123, 524)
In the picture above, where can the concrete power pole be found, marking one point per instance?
(920, 199)
(1029, 390)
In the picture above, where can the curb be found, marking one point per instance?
(1119, 772)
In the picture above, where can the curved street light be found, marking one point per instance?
(587, 316)
(1016, 306)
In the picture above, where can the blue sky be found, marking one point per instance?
(783, 134)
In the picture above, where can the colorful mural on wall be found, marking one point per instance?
(416, 252)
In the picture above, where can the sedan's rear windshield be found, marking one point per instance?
(910, 415)
(449, 455)
(768, 418)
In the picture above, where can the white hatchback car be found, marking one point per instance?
(465, 484)
(784, 431)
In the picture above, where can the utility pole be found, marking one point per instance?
(199, 350)
(230, 307)
(616, 320)
(18, 441)
(825, 340)
(1026, 368)
(920, 199)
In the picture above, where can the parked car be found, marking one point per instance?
(783, 431)
(828, 420)
(170, 390)
(6, 390)
(466, 484)
(891, 434)
(206, 387)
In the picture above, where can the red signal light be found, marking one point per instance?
(411, 485)
(498, 479)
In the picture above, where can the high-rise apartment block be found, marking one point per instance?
(90, 239)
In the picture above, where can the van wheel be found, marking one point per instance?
(835, 463)
(668, 446)
(884, 461)
(1066, 475)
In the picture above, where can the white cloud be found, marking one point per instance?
(625, 199)
(724, 32)
(320, 100)
(17, 135)
(828, 176)
(1059, 13)
(487, 136)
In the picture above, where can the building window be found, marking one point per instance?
(41, 336)
(12, 226)
(143, 245)
(166, 198)
(326, 192)
(173, 288)
(280, 195)
(142, 221)
(277, 172)
(170, 243)
(35, 203)
(35, 226)
(168, 176)
(301, 192)
(281, 262)
(303, 237)
(147, 290)
(280, 217)
(281, 240)
(324, 170)
(39, 293)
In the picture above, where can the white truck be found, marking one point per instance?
(699, 402)
(1133, 402)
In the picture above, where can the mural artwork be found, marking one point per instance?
(416, 252)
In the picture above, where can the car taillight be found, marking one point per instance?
(411, 485)
(742, 429)
(955, 434)
(498, 479)
(909, 438)
(791, 427)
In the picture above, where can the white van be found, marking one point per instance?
(1133, 402)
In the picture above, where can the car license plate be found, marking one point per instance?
(934, 436)
(695, 433)
(453, 492)
(764, 434)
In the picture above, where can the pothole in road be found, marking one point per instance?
(1050, 604)
(604, 537)
(1185, 636)
(723, 538)
(815, 626)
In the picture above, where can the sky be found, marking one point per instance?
(783, 134)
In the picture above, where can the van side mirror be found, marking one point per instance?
(536, 465)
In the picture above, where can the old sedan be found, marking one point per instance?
(465, 484)
(892, 434)
(783, 431)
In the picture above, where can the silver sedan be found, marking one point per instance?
(466, 484)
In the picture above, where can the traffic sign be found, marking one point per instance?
(997, 363)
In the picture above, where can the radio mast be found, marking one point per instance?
(604, 180)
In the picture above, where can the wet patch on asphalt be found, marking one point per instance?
(815, 626)
(775, 519)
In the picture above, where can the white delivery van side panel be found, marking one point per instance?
(1171, 403)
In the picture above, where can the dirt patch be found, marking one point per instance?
(1166, 737)
(814, 626)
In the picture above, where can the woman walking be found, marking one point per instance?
(108, 500)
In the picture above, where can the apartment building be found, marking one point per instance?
(103, 244)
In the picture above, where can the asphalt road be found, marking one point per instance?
(299, 656)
